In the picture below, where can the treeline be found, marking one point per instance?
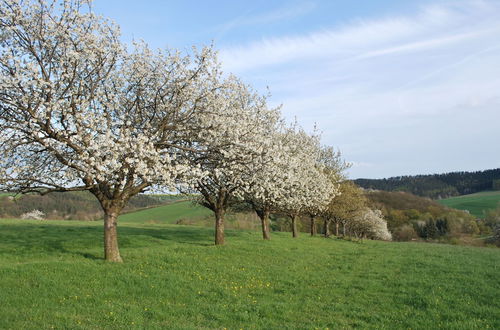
(71, 205)
(437, 186)
(410, 217)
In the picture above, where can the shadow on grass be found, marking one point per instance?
(31, 238)
(179, 234)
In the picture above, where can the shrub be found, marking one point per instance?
(370, 224)
(33, 215)
(405, 233)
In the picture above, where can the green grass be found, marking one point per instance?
(52, 276)
(477, 204)
(170, 213)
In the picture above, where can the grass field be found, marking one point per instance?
(170, 213)
(52, 276)
(477, 204)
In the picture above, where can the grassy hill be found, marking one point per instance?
(407, 215)
(477, 204)
(170, 213)
(52, 276)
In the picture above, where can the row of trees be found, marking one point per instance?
(351, 215)
(78, 111)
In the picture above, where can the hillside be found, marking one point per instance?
(437, 186)
(52, 275)
(71, 205)
(477, 204)
(170, 213)
(186, 212)
(411, 217)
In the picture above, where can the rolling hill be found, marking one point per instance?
(477, 204)
(437, 186)
(170, 213)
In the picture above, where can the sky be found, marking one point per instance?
(399, 87)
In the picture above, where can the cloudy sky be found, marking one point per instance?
(399, 87)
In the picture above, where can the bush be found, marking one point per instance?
(405, 233)
(495, 239)
(370, 224)
(33, 215)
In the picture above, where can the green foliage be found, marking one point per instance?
(492, 218)
(404, 233)
(477, 204)
(52, 275)
(413, 206)
(442, 227)
(495, 238)
(410, 217)
(430, 229)
(496, 184)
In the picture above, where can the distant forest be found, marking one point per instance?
(437, 186)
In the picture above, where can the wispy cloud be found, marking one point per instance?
(433, 26)
(385, 90)
(252, 19)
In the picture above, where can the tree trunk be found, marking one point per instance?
(219, 227)
(294, 226)
(326, 228)
(313, 226)
(343, 229)
(337, 229)
(264, 218)
(111, 252)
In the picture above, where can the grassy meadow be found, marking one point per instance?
(477, 204)
(52, 275)
(169, 213)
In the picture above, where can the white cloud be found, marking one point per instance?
(375, 86)
(280, 14)
(431, 27)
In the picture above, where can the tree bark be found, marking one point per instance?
(337, 229)
(326, 228)
(111, 251)
(343, 229)
(294, 226)
(264, 218)
(313, 226)
(219, 227)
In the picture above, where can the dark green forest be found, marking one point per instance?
(437, 186)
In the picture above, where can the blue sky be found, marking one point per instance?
(400, 87)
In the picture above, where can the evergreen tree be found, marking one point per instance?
(430, 229)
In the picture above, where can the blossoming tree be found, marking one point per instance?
(331, 164)
(268, 177)
(370, 224)
(308, 186)
(79, 112)
(240, 123)
(344, 208)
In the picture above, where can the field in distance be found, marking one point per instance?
(170, 213)
(477, 204)
(52, 275)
